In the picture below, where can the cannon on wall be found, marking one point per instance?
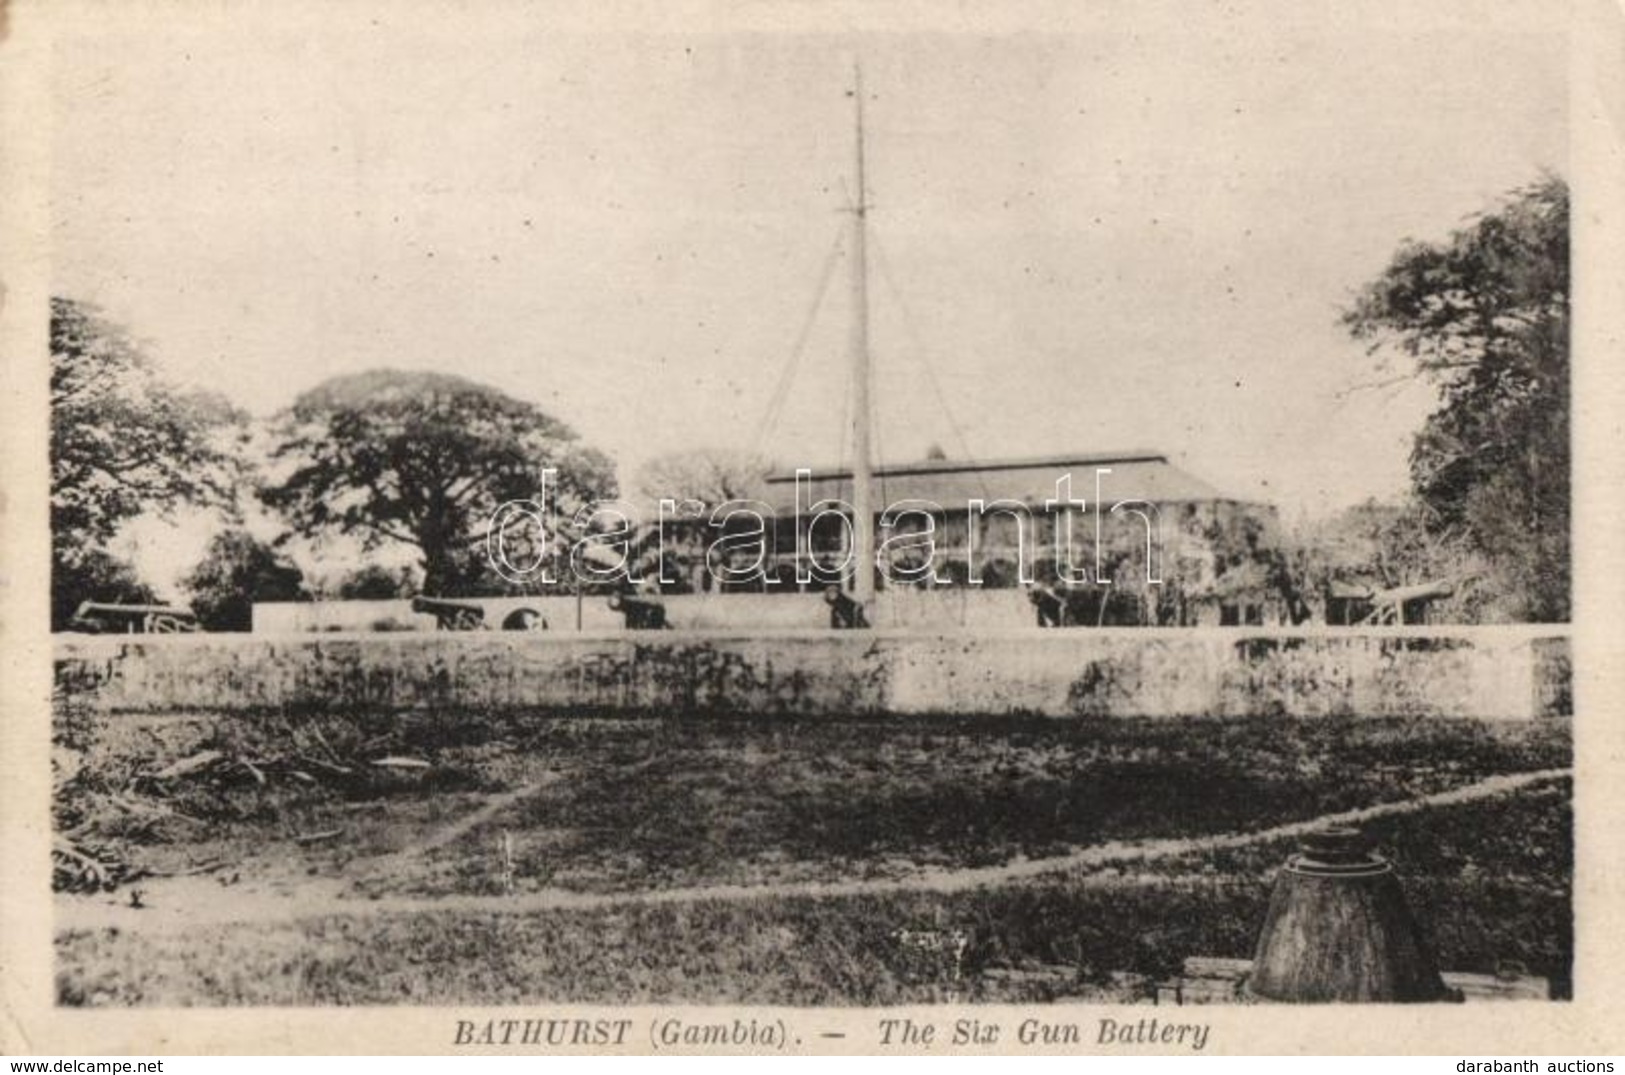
(1074, 606)
(524, 619)
(95, 617)
(1052, 606)
(844, 613)
(450, 615)
(1407, 604)
(1358, 605)
(640, 613)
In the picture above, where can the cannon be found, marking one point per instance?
(524, 619)
(845, 614)
(1050, 604)
(1060, 605)
(94, 617)
(640, 613)
(1406, 604)
(451, 615)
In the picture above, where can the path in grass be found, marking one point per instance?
(494, 806)
(185, 902)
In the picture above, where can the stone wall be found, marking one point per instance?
(1487, 673)
(945, 609)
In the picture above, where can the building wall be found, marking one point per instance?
(1486, 673)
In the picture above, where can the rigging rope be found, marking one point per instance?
(884, 263)
(787, 376)
(880, 446)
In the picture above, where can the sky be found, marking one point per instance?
(1134, 229)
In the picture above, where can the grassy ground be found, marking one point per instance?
(617, 805)
(1098, 937)
(621, 805)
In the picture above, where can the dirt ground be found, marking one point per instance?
(779, 832)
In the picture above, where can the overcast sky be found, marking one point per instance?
(1136, 233)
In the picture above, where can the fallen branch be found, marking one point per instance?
(202, 759)
(208, 866)
(158, 809)
(394, 762)
(74, 869)
(329, 766)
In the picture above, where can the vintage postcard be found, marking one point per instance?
(764, 527)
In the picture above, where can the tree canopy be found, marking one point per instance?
(1485, 317)
(237, 570)
(424, 459)
(374, 582)
(710, 475)
(123, 443)
(94, 575)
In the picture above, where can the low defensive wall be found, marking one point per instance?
(1492, 673)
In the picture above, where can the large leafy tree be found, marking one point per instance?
(1485, 317)
(711, 476)
(124, 443)
(237, 570)
(424, 459)
(375, 582)
(708, 477)
(94, 575)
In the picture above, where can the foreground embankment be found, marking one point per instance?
(1488, 673)
(293, 860)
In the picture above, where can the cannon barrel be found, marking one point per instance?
(1422, 591)
(94, 608)
(451, 615)
(640, 613)
(845, 613)
(99, 616)
(1050, 604)
(438, 605)
(1393, 604)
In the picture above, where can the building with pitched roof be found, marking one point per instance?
(1128, 537)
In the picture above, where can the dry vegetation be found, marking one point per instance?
(626, 806)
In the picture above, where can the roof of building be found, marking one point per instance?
(1134, 475)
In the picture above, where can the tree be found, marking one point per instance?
(94, 575)
(1485, 317)
(710, 475)
(237, 570)
(374, 582)
(425, 459)
(1379, 546)
(123, 443)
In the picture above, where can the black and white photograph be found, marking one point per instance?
(787, 514)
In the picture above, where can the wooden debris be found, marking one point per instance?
(207, 866)
(396, 762)
(201, 760)
(77, 870)
(1213, 980)
(155, 809)
(331, 767)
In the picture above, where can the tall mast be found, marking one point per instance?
(863, 523)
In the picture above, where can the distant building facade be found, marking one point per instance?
(1175, 552)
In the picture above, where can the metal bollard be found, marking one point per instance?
(1338, 930)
